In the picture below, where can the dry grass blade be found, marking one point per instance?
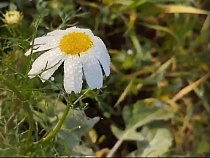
(181, 9)
(161, 28)
(123, 95)
(189, 88)
(130, 24)
(90, 4)
(206, 24)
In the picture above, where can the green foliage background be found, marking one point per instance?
(154, 103)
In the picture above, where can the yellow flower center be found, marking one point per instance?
(75, 43)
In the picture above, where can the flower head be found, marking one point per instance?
(81, 52)
(12, 17)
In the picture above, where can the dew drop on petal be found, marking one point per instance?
(52, 78)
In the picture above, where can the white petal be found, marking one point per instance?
(102, 54)
(46, 61)
(71, 28)
(41, 40)
(37, 48)
(51, 36)
(92, 70)
(75, 29)
(55, 33)
(46, 38)
(44, 43)
(48, 73)
(72, 74)
(45, 47)
(30, 51)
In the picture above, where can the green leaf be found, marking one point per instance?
(75, 126)
(141, 114)
(159, 144)
(156, 143)
(135, 136)
(135, 117)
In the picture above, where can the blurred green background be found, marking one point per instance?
(154, 103)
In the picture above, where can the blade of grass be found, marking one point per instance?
(189, 88)
(162, 68)
(89, 4)
(199, 93)
(206, 24)
(161, 28)
(124, 94)
(136, 4)
(181, 9)
(131, 22)
(135, 41)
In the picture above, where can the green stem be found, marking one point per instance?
(57, 127)
(135, 42)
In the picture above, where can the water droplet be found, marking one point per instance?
(52, 78)
(129, 51)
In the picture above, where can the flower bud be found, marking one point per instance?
(12, 17)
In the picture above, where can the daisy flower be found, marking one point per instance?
(79, 50)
